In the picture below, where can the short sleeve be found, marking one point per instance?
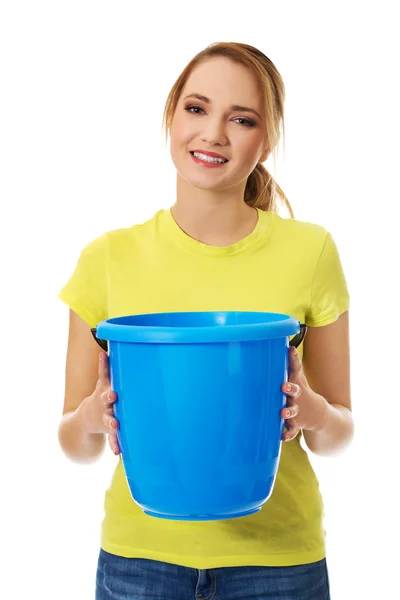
(86, 290)
(329, 292)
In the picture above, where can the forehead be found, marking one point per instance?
(225, 81)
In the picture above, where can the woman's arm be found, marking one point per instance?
(326, 366)
(81, 374)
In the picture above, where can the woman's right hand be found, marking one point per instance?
(98, 407)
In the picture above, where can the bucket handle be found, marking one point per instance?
(296, 341)
(102, 343)
(298, 338)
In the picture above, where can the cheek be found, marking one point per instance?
(175, 136)
(250, 151)
(179, 141)
(250, 146)
(180, 130)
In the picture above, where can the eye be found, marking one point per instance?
(246, 122)
(188, 108)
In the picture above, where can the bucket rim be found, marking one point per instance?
(114, 329)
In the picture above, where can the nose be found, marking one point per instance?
(214, 133)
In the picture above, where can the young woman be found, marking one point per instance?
(221, 246)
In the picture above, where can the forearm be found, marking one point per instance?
(335, 433)
(76, 443)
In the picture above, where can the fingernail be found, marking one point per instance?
(110, 423)
(289, 387)
(109, 396)
(287, 413)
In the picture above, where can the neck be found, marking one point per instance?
(213, 219)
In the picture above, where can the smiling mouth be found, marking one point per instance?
(221, 163)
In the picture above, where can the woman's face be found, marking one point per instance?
(215, 126)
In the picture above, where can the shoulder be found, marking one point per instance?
(302, 234)
(120, 236)
(136, 231)
(300, 228)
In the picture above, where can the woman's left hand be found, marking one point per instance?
(305, 409)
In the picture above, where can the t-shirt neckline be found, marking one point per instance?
(177, 235)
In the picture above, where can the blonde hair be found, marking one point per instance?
(261, 190)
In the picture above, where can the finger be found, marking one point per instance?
(110, 422)
(291, 389)
(288, 428)
(104, 375)
(290, 424)
(290, 411)
(292, 432)
(288, 437)
(289, 404)
(108, 398)
(113, 442)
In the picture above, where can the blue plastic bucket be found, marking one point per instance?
(199, 402)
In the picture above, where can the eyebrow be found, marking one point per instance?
(233, 107)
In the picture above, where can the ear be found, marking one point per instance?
(264, 155)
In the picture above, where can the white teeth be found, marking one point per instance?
(208, 158)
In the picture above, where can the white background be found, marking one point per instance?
(83, 89)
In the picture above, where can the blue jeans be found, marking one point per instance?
(120, 578)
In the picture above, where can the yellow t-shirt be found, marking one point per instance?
(285, 266)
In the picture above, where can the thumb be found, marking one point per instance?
(294, 362)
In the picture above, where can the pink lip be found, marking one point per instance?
(212, 154)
